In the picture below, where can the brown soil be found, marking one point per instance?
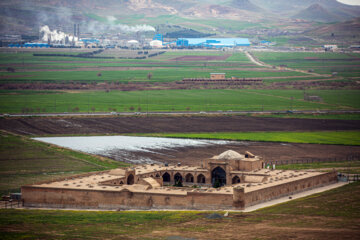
(155, 124)
(202, 58)
(271, 152)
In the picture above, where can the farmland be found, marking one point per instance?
(26, 101)
(169, 67)
(344, 64)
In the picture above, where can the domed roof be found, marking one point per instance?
(229, 155)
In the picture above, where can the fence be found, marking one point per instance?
(11, 204)
(347, 177)
(348, 158)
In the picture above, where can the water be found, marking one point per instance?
(123, 148)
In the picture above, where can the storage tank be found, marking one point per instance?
(156, 44)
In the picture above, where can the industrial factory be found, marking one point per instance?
(135, 40)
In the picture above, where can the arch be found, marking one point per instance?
(166, 177)
(157, 175)
(189, 178)
(121, 182)
(201, 178)
(151, 175)
(236, 180)
(218, 177)
(178, 178)
(130, 179)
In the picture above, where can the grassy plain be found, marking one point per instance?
(344, 64)
(25, 161)
(164, 68)
(324, 137)
(352, 167)
(329, 215)
(173, 100)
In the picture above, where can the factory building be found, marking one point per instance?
(213, 42)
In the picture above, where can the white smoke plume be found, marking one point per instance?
(126, 28)
(55, 35)
(112, 25)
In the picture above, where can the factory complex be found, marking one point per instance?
(226, 181)
(59, 39)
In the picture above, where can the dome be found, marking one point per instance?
(229, 155)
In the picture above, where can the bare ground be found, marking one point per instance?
(156, 124)
(191, 155)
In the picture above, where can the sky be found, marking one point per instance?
(351, 2)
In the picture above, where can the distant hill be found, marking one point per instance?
(316, 13)
(20, 16)
(344, 29)
(246, 5)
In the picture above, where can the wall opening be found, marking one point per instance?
(166, 177)
(201, 179)
(189, 178)
(178, 178)
(130, 180)
(236, 180)
(218, 177)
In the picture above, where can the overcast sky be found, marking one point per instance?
(351, 2)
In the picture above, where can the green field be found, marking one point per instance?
(352, 167)
(25, 161)
(344, 64)
(27, 101)
(164, 68)
(324, 137)
(335, 212)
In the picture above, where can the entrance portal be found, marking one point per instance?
(130, 179)
(218, 177)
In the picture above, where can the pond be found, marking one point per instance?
(122, 148)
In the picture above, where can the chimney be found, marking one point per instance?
(78, 30)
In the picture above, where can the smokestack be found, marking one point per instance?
(78, 31)
(75, 30)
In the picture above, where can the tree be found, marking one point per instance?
(149, 76)
(10, 69)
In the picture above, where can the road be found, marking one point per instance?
(260, 63)
(176, 113)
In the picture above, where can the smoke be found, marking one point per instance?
(55, 35)
(111, 25)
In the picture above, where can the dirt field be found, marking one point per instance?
(155, 124)
(271, 152)
(202, 58)
(190, 156)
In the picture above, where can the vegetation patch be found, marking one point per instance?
(319, 137)
(26, 161)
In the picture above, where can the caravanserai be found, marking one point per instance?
(227, 181)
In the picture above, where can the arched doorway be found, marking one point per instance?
(178, 179)
(166, 177)
(189, 178)
(236, 180)
(130, 180)
(218, 177)
(200, 178)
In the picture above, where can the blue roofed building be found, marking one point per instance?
(212, 42)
